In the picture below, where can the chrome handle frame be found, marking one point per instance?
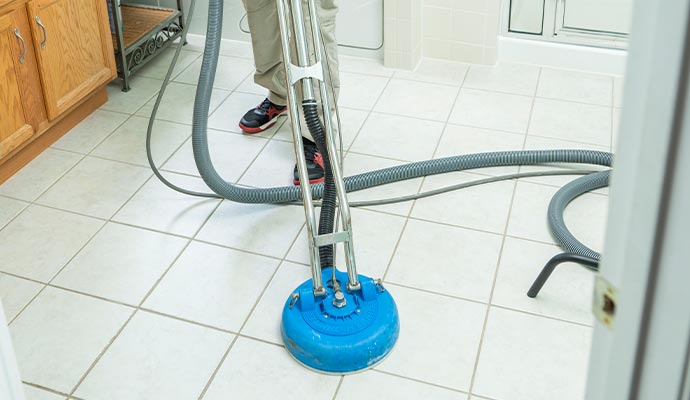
(21, 39)
(45, 34)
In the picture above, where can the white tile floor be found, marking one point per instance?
(118, 288)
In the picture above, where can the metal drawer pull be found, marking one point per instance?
(21, 39)
(45, 35)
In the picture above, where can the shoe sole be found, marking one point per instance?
(268, 125)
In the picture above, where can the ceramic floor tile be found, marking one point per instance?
(68, 331)
(213, 286)
(360, 91)
(430, 338)
(358, 163)
(445, 259)
(532, 358)
(618, 91)
(128, 143)
(10, 208)
(541, 143)
(483, 207)
(436, 71)
(158, 66)
(528, 214)
(458, 140)
(417, 99)
(41, 240)
(156, 206)
(251, 364)
(273, 167)
(15, 293)
(567, 294)
(262, 228)
(244, 149)
(95, 187)
(360, 65)
(575, 86)
(482, 109)
(142, 90)
(264, 322)
(121, 263)
(373, 250)
(230, 73)
(571, 121)
(157, 358)
(227, 116)
(33, 393)
(351, 121)
(178, 103)
(367, 384)
(504, 77)
(90, 131)
(398, 137)
(37, 176)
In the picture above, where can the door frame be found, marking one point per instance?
(10, 382)
(645, 354)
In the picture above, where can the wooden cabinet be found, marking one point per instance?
(56, 56)
(74, 49)
(14, 119)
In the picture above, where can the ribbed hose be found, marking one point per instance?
(560, 201)
(327, 216)
(379, 177)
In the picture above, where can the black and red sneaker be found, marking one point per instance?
(264, 116)
(314, 163)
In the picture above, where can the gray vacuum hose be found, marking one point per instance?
(560, 201)
(366, 180)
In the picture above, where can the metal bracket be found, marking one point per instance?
(332, 238)
(298, 73)
(605, 301)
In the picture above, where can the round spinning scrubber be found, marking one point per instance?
(343, 331)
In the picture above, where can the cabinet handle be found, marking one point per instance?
(45, 35)
(21, 39)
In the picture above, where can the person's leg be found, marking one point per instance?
(262, 17)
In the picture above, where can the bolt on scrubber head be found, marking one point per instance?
(346, 322)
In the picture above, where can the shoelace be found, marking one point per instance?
(264, 106)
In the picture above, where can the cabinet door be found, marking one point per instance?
(14, 124)
(74, 47)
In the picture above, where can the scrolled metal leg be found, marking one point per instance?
(588, 262)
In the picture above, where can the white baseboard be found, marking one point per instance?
(560, 55)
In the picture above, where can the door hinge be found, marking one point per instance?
(605, 301)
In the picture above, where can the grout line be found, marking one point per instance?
(246, 320)
(419, 380)
(423, 180)
(500, 257)
(337, 389)
(155, 285)
(46, 389)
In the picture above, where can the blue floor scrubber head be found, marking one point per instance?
(341, 332)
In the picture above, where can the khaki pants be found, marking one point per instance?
(262, 16)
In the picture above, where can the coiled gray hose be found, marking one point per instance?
(560, 201)
(366, 180)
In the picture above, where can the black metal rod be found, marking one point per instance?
(558, 259)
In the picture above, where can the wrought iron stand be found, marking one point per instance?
(142, 32)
